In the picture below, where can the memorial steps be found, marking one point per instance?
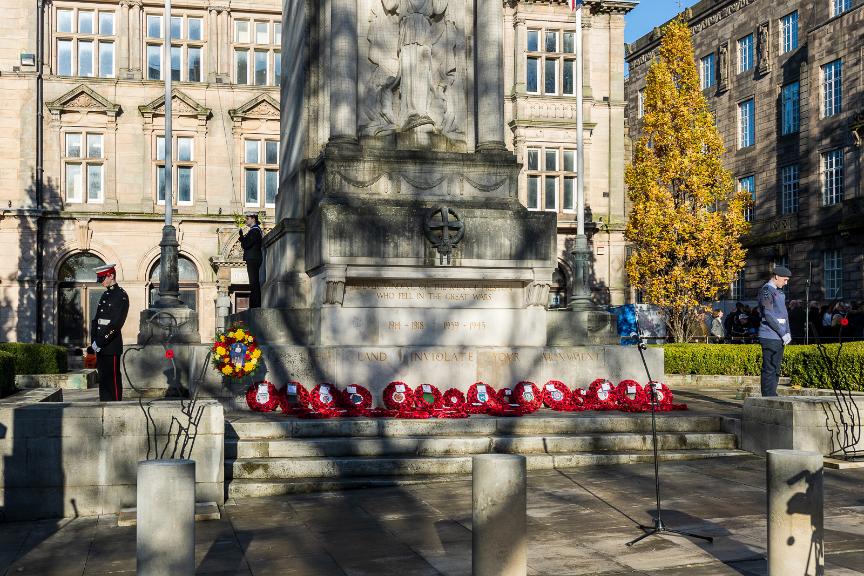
(267, 455)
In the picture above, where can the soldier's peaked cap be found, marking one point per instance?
(782, 271)
(102, 271)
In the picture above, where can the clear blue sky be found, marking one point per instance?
(650, 13)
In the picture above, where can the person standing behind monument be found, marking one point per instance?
(253, 255)
(107, 339)
(774, 329)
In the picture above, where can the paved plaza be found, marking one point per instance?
(579, 521)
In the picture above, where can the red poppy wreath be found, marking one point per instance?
(557, 396)
(323, 401)
(579, 400)
(664, 398)
(452, 404)
(356, 399)
(398, 396)
(262, 397)
(480, 398)
(632, 396)
(602, 396)
(524, 399)
(294, 398)
(428, 397)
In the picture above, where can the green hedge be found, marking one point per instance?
(7, 374)
(37, 358)
(806, 365)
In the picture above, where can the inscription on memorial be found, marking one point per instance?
(433, 295)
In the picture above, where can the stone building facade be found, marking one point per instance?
(103, 124)
(785, 84)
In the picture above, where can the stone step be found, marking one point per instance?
(549, 423)
(357, 466)
(448, 445)
(460, 469)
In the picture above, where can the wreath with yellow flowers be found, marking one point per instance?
(236, 353)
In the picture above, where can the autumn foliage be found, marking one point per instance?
(686, 219)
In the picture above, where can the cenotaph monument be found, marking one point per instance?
(401, 250)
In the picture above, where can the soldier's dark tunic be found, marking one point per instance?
(254, 257)
(774, 325)
(105, 331)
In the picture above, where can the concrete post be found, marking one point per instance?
(490, 75)
(499, 525)
(795, 513)
(166, 518)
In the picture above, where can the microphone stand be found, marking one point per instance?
(658, 528)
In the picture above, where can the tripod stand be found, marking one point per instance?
(658, 528)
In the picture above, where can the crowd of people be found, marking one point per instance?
(741, 325)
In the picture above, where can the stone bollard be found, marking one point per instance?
(166, 518)
(795, 513)
(499, 525)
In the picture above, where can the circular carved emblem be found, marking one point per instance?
(444, 229)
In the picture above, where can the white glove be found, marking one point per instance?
(787, 338)
(95, 347)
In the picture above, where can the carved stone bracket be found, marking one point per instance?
(334, 293)
(537, 294)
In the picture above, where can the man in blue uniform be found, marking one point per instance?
(774, 331)
(105, 331)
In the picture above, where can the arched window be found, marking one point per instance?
(188, 274)
(78, 294)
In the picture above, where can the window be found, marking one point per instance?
(640, 103)
(745, 53)
(833, 267)
(832, 177)
(552, 181)
(257, 59)
(85, 43)
(260, 171)
(550, 64)
(83, 167)
(789, 186)
(736, 288)
(840, 6)
(789, 32)
(748, 184)
(706, 71)
(791, 108)
(746, 124)
(183, 177)
(187, 47)
(78, 294)
(832, 95)
(187, 274)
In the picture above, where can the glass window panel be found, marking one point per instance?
(73, 182)
(176, 58)
(551, 44)
(154, 62)
(789, 32)
(106, 23)
(532, 75)
(195, 28)
(569, 42)
(569, 87)
(251, 151)
(176, 27)
(271, 186)
(262, 33)
(271, 155)
(569, 193)
(745, 53)
(184, 149)
(94, 182)
(550, 76)
(85, 22)
(154, 26)
(252, 187)
(184, 184)
(551, 160)
(790, 183)
(64, 21)
(569, 160)
(241, 31)
(277, 68)
(832, 88)
(160, 148)
(73, 145)
(533, 40)
(533, 159)
(79, 268)
(160, 183)
(260, 67)
(241, 66)
(193, 65)
(85, 58)
(550, 195)
(64, 57)
(277, 33)
(106, 59)
(533, 192)
(791, 108)
(94, 145)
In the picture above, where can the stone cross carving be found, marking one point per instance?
(414, 49)
(444, 229)
(764, 49)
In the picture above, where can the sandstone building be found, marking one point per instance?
(102, 128)
(784, 81)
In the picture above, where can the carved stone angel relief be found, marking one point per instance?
(416, 81)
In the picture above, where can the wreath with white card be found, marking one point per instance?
(557, 396)
(602, 395)
(632, 396)
(356, 399)
(428, 397)
(398, 396)
(294, 398)
(480, 398)
(262, 397)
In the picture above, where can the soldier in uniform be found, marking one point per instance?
(253, 255)
(105, 331)
(774, 332)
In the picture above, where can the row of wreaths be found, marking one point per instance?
(427, 401)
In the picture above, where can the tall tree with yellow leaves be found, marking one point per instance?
(686, 220)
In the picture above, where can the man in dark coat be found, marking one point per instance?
(253, 255)
(774, 328)
(105, 330)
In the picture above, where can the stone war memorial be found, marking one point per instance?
(401, 250)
